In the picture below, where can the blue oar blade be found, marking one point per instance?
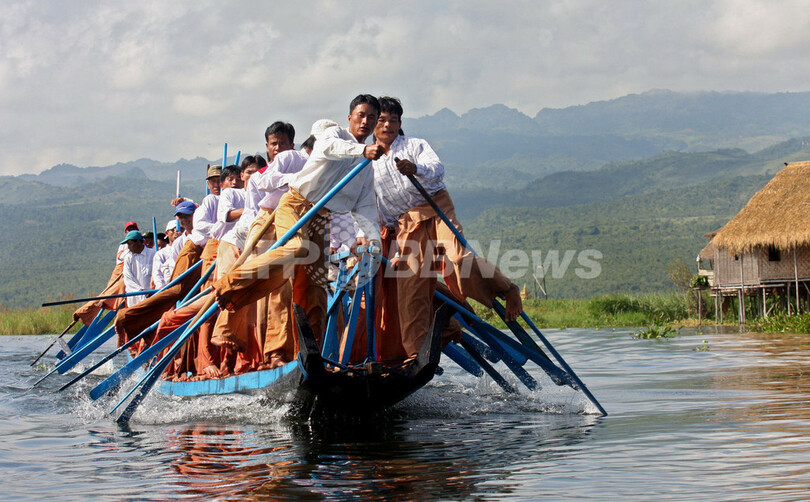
(461, 357)
(145, 385)
(112, 381)
(86, 349)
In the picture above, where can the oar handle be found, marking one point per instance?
(54, 341)
(134, 293)
(440, 213)
(107, 297)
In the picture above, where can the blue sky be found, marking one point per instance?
(94, 83)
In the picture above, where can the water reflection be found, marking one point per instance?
(730, 423)
(376, 458)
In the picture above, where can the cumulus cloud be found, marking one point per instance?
(93, 84)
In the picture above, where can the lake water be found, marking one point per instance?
(728, 423)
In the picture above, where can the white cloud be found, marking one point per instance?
(92, 84)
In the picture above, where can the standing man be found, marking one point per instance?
(337, 151)
(137, 266)
(421, 231)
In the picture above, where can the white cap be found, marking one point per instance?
(321, 125)
(172, 225)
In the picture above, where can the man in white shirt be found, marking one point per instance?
(131, 321)
(421, 231)
(115, 285)
(336, 152)
(137, 266)
(272, 312)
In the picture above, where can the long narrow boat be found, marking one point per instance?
(319, 382)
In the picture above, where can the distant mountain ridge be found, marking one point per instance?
(641, 192)
(574, 138)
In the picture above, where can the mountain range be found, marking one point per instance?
(640, 178)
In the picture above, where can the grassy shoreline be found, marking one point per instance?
(41, 321)
(608, 311)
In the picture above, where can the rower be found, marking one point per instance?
(130, 321)
(149, 240)
(336, 152)
(137, 266)
(115, 285)
(272, 320)
(420, 232)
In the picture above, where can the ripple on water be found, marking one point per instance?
(727, 424)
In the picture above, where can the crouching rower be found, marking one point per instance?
(336, 152)
(421, 233)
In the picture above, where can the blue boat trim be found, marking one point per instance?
(244, 383)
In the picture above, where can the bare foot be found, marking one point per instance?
(210, 371)
(225, 343)
(514, 305)
(223, 299)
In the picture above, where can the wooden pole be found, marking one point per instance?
(742, 292)
(796, 277)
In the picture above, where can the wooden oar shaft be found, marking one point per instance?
(134, 293)
(106, 297)
(54, 341)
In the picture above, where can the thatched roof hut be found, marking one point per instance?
(778, 215)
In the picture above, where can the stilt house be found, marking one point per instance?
(765, 249)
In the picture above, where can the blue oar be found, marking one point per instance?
(98, 324)
(503, 342)
(500, 311)
(238, 155)
(562, 362)
(463, 359)
(199, 283)
(148, 383)
(510, 362)
(90, 333)
(112, 354)
(154, 233)
(177, 192)
(92, 340)
(112, 381)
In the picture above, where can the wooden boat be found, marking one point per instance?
(319, 382)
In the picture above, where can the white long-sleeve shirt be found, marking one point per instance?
(138, 274)
(274, 181)
(335, 153)
(121, 253)
(264, 190)
(229, 199)
(205, 221)
(159, 266)
(395, 192)
(176, 247)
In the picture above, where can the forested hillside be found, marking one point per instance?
(623, 186)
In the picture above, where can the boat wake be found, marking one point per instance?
(454, 394)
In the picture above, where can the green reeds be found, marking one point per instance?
(41, 321)
(616, 310)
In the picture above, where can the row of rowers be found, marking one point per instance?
(379, 206)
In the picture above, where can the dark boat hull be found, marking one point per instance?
(316, 382)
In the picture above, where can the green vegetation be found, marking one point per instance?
(37, 322)
(616, 310)
(656, 332)
(782, 323)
